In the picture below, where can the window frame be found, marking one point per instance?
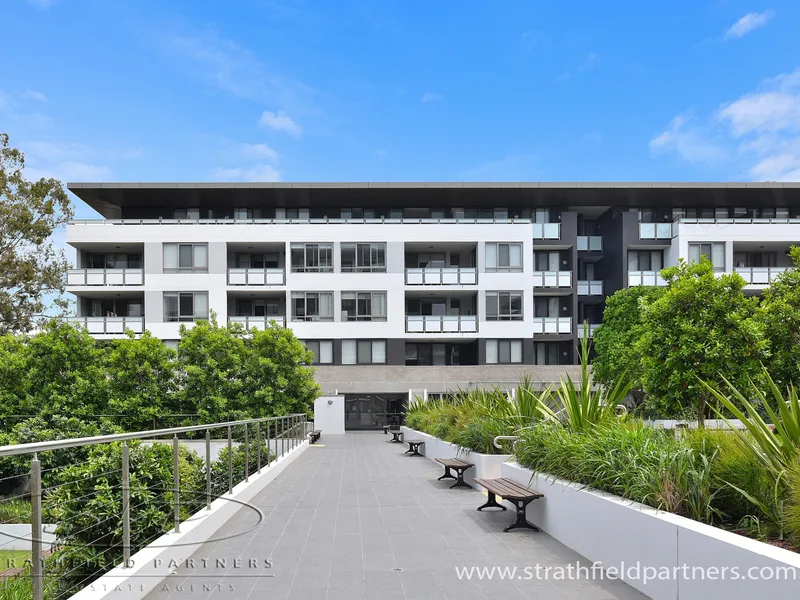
(316, 252)
(316, 360)
(194, 254)
(359, 342)
(710, 254)
(509, 316)
(547, 346)
(296, 295)
(499, 268)
(373, 253)
(498, 343)
(358, 299)
(181, 318)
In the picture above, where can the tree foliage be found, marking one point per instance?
(780, 315)
(701, 328)
(615, 340)
(31, 266)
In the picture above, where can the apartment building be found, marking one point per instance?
(410, 288)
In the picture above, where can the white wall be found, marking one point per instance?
(329, 415)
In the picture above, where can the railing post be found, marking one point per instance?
(247, 452)
(36, 527)
(269, 450)
(208, 469)
(230, 462)
(283, 436)
(126, 507)
(258, 446)
(176, 482)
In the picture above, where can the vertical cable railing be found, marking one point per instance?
(156, 478)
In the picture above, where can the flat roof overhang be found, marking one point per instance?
(108, 198)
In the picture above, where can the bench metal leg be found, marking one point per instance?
(447, 474)
(521, 522)
(460, 479)
(492, 503)
(413, 450)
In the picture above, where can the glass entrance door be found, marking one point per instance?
(373, 411)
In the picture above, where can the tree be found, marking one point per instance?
(701, 328)
(212, 361)
(280, 375)
(141, 381)
(615, 340)
(780, 315)
(31, 268)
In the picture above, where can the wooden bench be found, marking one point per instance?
(397, 437)
(510, 490)
(388, 428)
(413, 447)
(459, 466)
(315, 435)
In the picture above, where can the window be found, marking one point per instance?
(185, 257)
(258, 260)
(647, 215)
(186, 213)
(364, 258)
(645, 260)
(503, 257)
(322, 349)
(433, 354)
(363, 306)
(546, 261)
(363, 352)
(503, 351)
(699, 213)
(312, 258)
(714, 251)
(117, 260)
(755, 259)
(246, 213)
(545, 306)
(546, 353)
(185, 306)
(116, 307)
(541, 215)
(259, 307)
(503, 306)
(312, 306)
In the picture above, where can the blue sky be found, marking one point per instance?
(381, 90)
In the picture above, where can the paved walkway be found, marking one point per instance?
(356, 519)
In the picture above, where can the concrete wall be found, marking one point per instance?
(329, 414)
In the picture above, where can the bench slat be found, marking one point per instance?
(506, 488)
(454, 462)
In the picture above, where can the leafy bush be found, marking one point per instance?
(219, 468)
(15, 510)
(792, 515)
(85, 505)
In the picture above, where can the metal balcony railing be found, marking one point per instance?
(277, 436)
(592, 328)
(739, 221)
(261, 323)
(645, 278)
(332, 221)
(442, 276)
(441, 324)
(110, 325)
(552, 279)
(105, 277)
(658, 231)
(590, 287)
(547, 231)
(552, 325)
(760, 275)
(248, 276)
(590, 243)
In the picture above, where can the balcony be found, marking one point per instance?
(658, 231)
(592, 328)
(552, 325)
(645, 278)
(552, 279)
(258, 277)
(590, 287)
(109, 325)
(590, 243)
(261, 323)
(441, 324)
(760, 275)
(547, 231)
(442, 276)
(76, 277)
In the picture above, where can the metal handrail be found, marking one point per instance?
(32, 447)
(306, 221)
(514, 438)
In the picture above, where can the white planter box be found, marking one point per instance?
(627, 535)
(487, 466)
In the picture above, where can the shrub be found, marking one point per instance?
(219, 468)
(792, 516)
(15, 510)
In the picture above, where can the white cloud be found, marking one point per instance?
(260, 172)
(258, 151)
(234, 69)
(41, 3)
(748, 23)
(33, 95)
(589, 62)
(431, 97)
(512, 167)
(279, 121)
(757, 134)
